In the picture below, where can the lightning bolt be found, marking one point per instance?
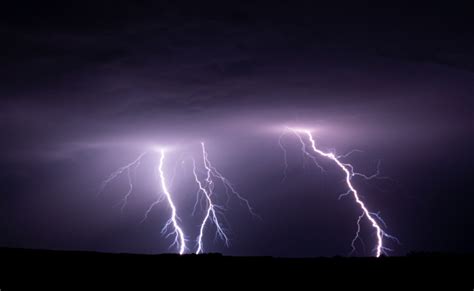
(213, 209)
(374, 219)
(129, 168)
(211, 215)
(205, 194)
(179, 239)
(229, 187)
(357, 236)
(205, 187)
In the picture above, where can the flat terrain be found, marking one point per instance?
(34, 269)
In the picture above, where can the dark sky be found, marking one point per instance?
(87, 87)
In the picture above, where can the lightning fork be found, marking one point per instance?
(179, 238)
(229, 188)
(211, 215)
(348, 170)
(127, 168)
(213, 210)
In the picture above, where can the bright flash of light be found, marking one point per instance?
(373, 218)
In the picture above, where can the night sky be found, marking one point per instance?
(86, 87)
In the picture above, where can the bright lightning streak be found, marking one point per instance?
(205, 187)
(212, 211)
(179, 239)
(349, 173)
(211, 214)
(205, 194)
(161, 197)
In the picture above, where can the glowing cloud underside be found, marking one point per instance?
(348, 170)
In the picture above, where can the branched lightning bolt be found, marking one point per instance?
(212, 209)
(211, 214)
(179, 235)
(179, 238)
(206, 188)
(348, 170)
(229, 188)
(357, 236)
(129, 168)
(304, 151)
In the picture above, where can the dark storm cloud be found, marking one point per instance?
(148, 74)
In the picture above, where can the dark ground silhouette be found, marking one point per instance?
(39, 269)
